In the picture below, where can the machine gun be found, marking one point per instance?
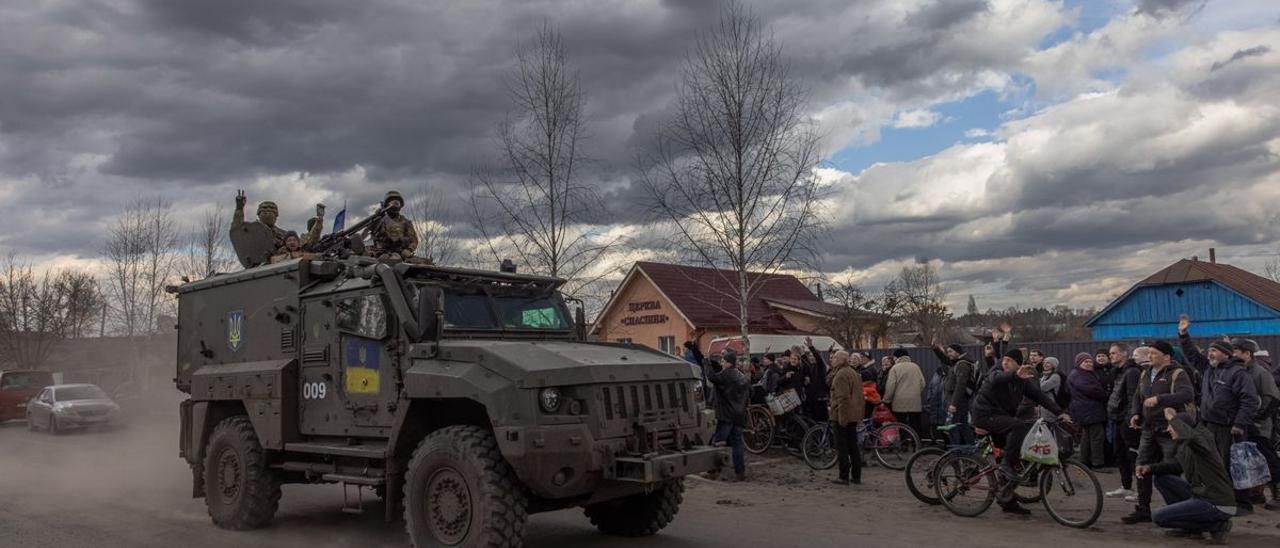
(342, 244)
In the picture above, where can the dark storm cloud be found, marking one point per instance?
(194, 98)
(1241, 54)
(1160, 8)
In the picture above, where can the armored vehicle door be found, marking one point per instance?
(348, 379)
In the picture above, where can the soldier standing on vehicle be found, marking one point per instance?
(268, 213)
(393, 234)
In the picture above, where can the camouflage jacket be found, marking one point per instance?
(393, 235)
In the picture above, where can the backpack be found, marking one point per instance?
(1063, 397)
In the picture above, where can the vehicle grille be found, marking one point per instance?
(638, 401)
(92, 412)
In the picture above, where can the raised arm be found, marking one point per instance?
(1195, 358)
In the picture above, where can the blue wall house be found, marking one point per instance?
(1221, 300)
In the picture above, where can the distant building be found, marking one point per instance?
(1221, 300)
(662, 305)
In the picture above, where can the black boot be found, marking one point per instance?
(1013, 507)
(1139, 515)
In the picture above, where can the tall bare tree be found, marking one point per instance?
(206, 249)
(733, 172)
(40, 309)
(919, 296)
(853, 320)
(532, 204)
(140, 257)
(435, 239)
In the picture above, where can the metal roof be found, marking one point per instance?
(1257, 288)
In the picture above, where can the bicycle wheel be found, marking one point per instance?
(759, 433)
(1028, 492)
(922, 469)
(966, 485)
(819, 447)
(1071, 494)
(893, 444)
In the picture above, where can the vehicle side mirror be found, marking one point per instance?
(430, 313)
(580, 323)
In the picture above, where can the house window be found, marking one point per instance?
(624, 341)
(667, 344)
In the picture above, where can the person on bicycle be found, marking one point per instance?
(995, 409)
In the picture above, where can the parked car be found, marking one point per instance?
(17, 387)
(63, 406)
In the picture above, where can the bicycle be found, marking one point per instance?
(890, 442)
(758, 436)
(1069, 490)
(922, 469)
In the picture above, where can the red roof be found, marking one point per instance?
(706, 296)
(1253, 286)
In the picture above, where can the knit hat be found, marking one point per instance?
(1081, 357)
(1051, 361)
(1163, 347)
(901, 352)
(1015, 355)
(956, 346)
(1221, 346)
(1247, 345)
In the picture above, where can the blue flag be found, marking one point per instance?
(340, 220)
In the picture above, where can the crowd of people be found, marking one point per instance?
(1163, 416)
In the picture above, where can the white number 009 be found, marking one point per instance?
(314, 390)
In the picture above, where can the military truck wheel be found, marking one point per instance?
(638, 515)
(459, 491)
(240, 491)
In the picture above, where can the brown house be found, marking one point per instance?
(662, 305)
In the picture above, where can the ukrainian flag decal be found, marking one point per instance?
(361, 361)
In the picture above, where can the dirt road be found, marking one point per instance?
(128, 488)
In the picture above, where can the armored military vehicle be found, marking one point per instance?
(467, 399)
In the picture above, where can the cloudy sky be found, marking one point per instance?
(1039, 152)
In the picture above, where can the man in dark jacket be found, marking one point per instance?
(816, 389)
(1161, 385)
(1126, 439)
(772, 375)
(1268, 400)
(958, 390)
(1228, 396)
(995, 410)
(732, 388)
(1194, 484)
(1089, 409)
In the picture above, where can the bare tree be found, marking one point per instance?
(39, 310)
(533, 205)
(82, 301)
(435, 239)
(1272, 269)
(854, 320)
(732, 173)
(140, 260)
(207, 250)
(919, 297)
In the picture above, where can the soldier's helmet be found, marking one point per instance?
(392, 195)
(268, 206)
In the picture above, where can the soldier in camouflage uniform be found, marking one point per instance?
(267, 215)
(393, 234)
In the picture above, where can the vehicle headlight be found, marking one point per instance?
(62, 410)
(549, 399)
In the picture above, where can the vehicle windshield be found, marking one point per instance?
(476, 308)
(73, 393)
(25, 380)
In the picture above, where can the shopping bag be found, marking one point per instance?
(1040, 446)
(1248, 466)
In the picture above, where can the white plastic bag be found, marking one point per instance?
(1040, 446)
(1248, 466)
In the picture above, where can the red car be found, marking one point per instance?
(17, 388)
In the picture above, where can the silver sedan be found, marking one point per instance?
(65, 406)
